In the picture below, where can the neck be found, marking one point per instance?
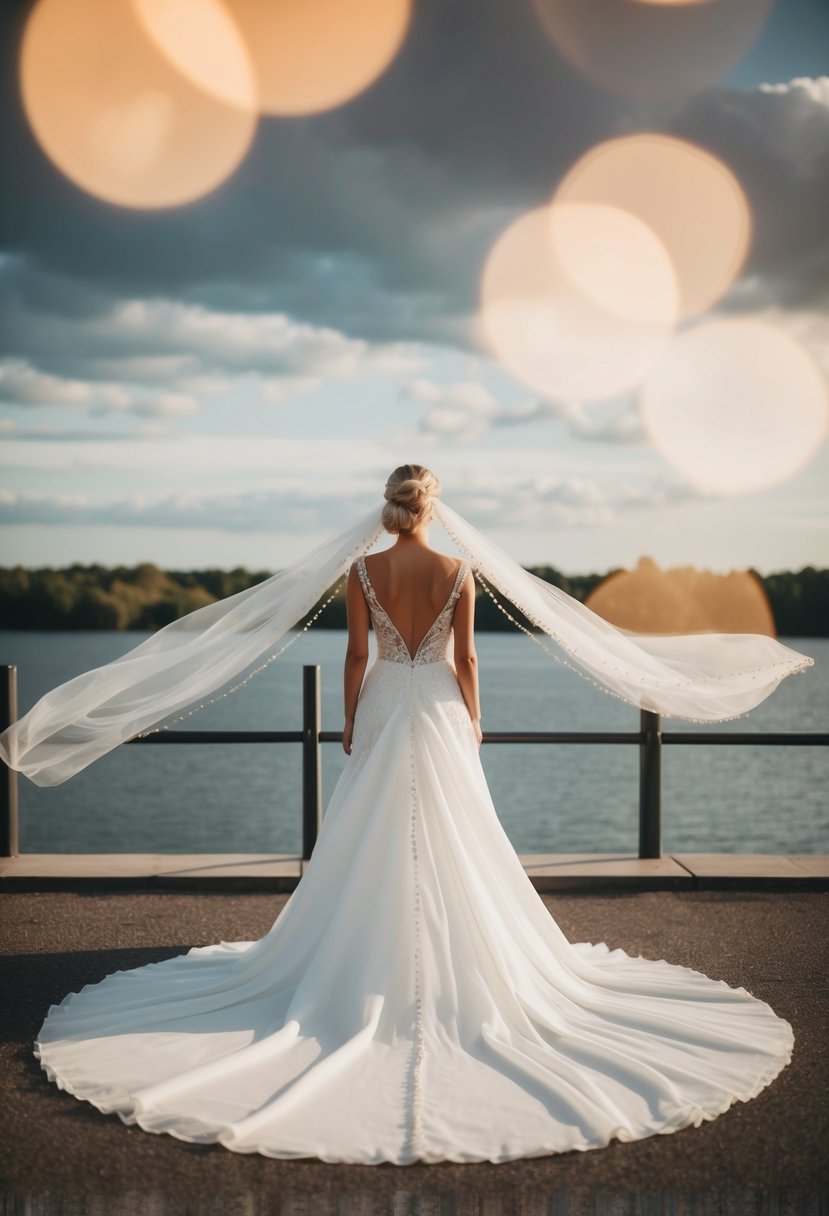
(420, 537)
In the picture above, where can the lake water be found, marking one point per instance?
(567, 798)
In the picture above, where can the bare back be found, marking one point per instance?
(412, 585)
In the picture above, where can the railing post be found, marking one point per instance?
(650, 781)
(311, 757)
(9, 825)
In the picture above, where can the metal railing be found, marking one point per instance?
(650, 739)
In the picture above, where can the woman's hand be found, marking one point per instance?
(476, 726)
(348, 731)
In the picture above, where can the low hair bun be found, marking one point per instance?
(409, 493)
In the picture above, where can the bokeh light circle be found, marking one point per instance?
(115, 116)
(201, 39)
(317, 54)
(690, 200)
(577, 301)
(305, 55)
(652, 51)
(735, 406)
(614, 260)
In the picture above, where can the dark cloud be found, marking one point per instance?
(375, 219)
(776, 141)
(50, 357)
(372, 218)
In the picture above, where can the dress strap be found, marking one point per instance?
(461, 575)
(368, 590)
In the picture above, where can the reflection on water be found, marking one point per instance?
(565, 798)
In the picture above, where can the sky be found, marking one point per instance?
(225, 382)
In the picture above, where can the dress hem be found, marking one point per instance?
(680, 1118)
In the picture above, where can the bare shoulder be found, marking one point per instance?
(440, 564)
(451, 565)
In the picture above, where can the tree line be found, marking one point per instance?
(145, 598)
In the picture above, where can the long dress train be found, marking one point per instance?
(414, 999)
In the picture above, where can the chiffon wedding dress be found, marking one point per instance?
(414, 999)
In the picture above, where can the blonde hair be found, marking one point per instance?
(409, 493)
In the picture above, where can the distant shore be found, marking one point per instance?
(145, 597)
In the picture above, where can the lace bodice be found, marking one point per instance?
(390, 645)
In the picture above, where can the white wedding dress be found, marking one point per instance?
(414, 999)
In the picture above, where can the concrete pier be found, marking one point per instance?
(767, 1157)
(548, 872)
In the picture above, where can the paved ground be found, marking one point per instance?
(59, 1155)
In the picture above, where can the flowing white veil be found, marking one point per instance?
(702, 677)
(181, 665)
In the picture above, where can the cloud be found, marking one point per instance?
(350, 467)
(621, 426)
(466, 411)
(168, 405)
(488, 500)
(277, 390)
(465, 395)
(371, 219)
(23, 385)
(52, 434)
(571, 501)
(775, 138)
(232, 341)
(374, 219)
(241, 512)
(797, 126)
(102, 355)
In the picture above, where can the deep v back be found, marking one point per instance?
(391, 646)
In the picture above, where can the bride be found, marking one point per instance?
(414, 1000)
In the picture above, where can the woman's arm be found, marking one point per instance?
(356, 655)
(466, 660)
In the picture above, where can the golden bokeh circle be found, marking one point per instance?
(553, 301)
(691, 201)
(202, 41)
(115, 116)
(304, 56)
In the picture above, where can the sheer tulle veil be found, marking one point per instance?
(704, 677)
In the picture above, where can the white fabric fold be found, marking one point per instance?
(414, 1000)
